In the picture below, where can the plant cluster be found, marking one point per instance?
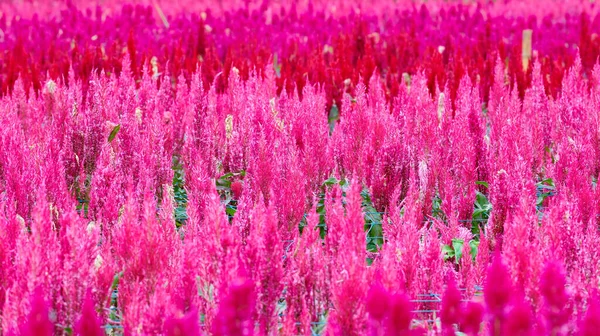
(294, 189)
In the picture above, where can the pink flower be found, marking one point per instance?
(89, 323)
(556, 300)
(236, 189)
(377, 302)
(498, 287)
(451, 302)
(234, 317)
(400, 315)
(519, 318)
(38, 321)
(184, 326)
(471, 318)
(590, 325)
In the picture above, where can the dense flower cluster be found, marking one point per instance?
(365, 171)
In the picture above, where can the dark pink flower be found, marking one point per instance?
(451, 302)
(234, 317)
(590, 325)
(38, 321)
(377, 302)
(519, 318)
(498, 287)
(89, 323)
(471, 318)
(400, 315)
(184, 326)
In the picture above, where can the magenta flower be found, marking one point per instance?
(471, 318)
(377, 304)
(38, 321)
(234, 317)
(184, 326)
(498, 287)
(399, 316)
(451, 306)
(590, 324)
(89, 323)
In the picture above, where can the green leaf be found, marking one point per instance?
(334, 115)
(114, 132)
(474, 244)
(436, 207)
(457, 245)
(230, 211)
(331, 181)
(481, 200)
(483, 183)
(276, 66)
(116, 279)
(448, 252)
(549, 182)
(540, 199)
(318, 328)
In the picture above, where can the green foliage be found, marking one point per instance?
(320, 209)
(373, 222)
(206, 290)
(373, 218)
(436, 207)
(455, 249)
(82, 194)
(481, 213)
(66, 329)
(113, 133)
(319, 327)
(114, 307)
(276, 66)
(544, 189)
(334, 115)
(483, 183)
(180, 194)
(223, 184)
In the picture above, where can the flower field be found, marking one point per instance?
(228, 167)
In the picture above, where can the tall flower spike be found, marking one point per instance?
(89, 323)
(399, 316)
(38, 321)
(184, 326)
(590, 324)
(234, 317)
(471, 318)
(497, 291)
(556, 308)
(519, 318)
(451, 307)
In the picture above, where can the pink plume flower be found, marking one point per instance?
(184, 326)
(471, 318)
(519, 318)
(556, 300)
(234, 317)
(590, 324)
(236, 189)
(400, 315)
(377, 304)
(498, 287)
(38, 321)
(451, 304)
(89, 324)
